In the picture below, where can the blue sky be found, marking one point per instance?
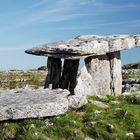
(25, 23)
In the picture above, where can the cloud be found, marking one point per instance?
(63, 10)
(45, 11)
(39, 3)
(132, 24)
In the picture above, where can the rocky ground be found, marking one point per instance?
(21, 79)
(102, 118)
(131, 77)
(109, 118)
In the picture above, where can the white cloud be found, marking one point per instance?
(132, 24)
(63, 10)
(66, 10)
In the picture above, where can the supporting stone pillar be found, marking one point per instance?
(116, 73)
(69, 75)
(99, 69)
(54, 73)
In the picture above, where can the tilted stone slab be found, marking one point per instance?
(86, 45)
(29, 103)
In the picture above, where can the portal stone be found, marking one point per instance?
(99, 69)
(54, 73)
(116, 73)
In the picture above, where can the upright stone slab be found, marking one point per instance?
(116, 73)
(69, 75)
(99, 69)
(85, 84)
(54, 73)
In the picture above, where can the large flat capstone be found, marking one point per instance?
(29, 103)
(86, 45)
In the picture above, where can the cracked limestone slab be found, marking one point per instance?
(85, 46)
(29, 103)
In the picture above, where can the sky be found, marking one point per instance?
(26, 23)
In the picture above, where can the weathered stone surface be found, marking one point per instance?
(94, 78)
(88, 138)
(69, 75)
(131, 71)
(101, 76)
(99, 104)
(77, 101)
(86, 45)
(54, 73)
(99, 69)
(131, 88)
(116, 73)
(29, 103)
(131, 81)
(85, 84)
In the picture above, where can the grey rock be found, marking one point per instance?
(114, 102)
(99, 104)
(97, 112)
(126, 88)
(131, 71)
(54, 72)
(69, 75)
(131, 81)
(135, 87)
(116, 73)
(130, 135)
(102, 96)
(29, 103)
(77, 101)
(100, 76)
(88, 138)
(87, 45)
(48, 123)
(126, 93)
(99, 69)
(85, 84)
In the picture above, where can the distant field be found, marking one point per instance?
(20, 79)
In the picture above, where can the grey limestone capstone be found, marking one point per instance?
(29, 103)
(86, 45)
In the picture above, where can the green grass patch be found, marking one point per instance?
(127, 76)
(11, 80)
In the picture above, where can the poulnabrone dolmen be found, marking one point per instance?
(101, 74)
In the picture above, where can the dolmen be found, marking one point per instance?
(101, 73)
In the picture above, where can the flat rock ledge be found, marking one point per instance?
(30, 103)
